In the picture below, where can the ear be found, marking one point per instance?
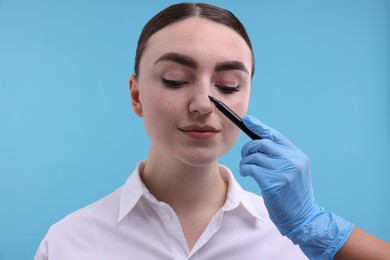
(134, 95)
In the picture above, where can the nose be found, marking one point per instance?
(200, 101)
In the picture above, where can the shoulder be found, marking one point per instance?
(78, 227)
(103, 211)
(89, 224)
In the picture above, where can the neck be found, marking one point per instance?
(195, 193)
(184, 186)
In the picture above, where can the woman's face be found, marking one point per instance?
(182, 65)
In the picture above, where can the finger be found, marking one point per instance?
(265, 161)
(257, 172)
(265, 131)
(265, 178)
(269, 148)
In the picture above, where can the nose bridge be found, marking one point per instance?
(199, 101)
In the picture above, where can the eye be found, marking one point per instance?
(228, 89)
(173, 83)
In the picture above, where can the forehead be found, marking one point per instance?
(199, 38)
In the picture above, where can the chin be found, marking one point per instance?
(200, 158)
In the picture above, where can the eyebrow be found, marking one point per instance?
(231, 65)
(178, 58)
(191, 63)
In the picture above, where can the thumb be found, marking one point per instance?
(264, 131)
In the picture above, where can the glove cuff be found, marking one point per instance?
(321, 236)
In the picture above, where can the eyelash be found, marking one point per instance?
(228, 90)
(175, 84)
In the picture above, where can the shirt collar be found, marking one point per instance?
(134, 189)
(131, 192)
(237, 195)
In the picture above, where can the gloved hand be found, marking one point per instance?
(283, 173)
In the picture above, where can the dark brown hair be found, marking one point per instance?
(182, 11)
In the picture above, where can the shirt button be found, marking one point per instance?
(168, 218)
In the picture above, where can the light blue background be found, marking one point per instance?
(68, 135)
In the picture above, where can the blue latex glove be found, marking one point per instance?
(283, 173)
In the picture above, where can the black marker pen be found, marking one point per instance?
(233, 117)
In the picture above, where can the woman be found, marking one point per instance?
(180, 203)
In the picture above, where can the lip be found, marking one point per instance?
(200, 132)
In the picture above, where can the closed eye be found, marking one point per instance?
(173, 83)
(227, 89)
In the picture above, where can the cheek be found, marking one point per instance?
(240, 106)
(242, 109)
(153, 99)
(156, 117)
(231, 135)
(234, 133)
(159, 110)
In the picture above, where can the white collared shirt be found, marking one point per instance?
(131, 224)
